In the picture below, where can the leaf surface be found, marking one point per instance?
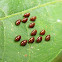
(48, 18)
(13, 6)
(2, 14)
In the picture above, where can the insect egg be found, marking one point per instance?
(31, 40)
(31, 25)
(18, 38)
(34, 32)
(47, 38)
(24, 42)
(42, 32)
(39, 39)
(33, 18)
(27, 15)
(24, 20)
(18, 22)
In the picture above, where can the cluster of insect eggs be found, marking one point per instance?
(33, 33)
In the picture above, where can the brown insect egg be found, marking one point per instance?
(39, 39)
(33, 18)
(42, 32)
(27, 15)
(31, 40)
(24, 42)
(17, 38)
(18, 22)
(47, 38)
(24, 20)
(34, 32)
(31, 25)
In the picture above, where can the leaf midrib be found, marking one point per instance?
(38, 6)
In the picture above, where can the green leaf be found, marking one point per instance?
(2, 14)
(58, 58)
(1, 40)
(48, 18)
(14, 6)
